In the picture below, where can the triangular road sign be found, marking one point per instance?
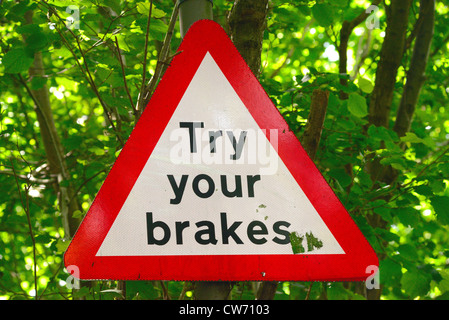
(213, 185)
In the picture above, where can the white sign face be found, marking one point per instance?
(215, 185)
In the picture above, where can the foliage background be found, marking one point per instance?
(93, 75)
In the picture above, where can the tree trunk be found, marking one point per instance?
(381, 99)
(53, 147)
(416, 73)
(247, 21)
(390, 60)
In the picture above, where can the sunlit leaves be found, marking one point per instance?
(365, 85)
(144, 8)
(300, 55)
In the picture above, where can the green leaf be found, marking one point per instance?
(437, 186)
(415, 283)
(28, 29)
(141, 290)
(340, 174)
(443, 285)
(98, 151)
(22, 7)
(144, 8)
(340, 3)
(444, 274)
(296, 242)
(313, 242)
(336, 291)
(38, 82)
(17, 60)
(158, 30)
(82, 292)
(395, 161)
(43, 238)
(412, 138)
(408, 252)
(323, 13)
(77, 214)
(441, 206)
(408, 216)
(62, 245)
(357, 105)
(113, 4)
(384, 212)
(61, 3)
(365, 85)
(37, 41)
(390, 271)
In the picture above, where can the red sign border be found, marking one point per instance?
(207, 36)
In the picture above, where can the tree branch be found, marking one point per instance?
(312, 134)
(145, 94)
(144, 64)
(345, 32)
(26, 207)
(362, 54)
(124, 78)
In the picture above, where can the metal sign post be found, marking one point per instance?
(191, 11)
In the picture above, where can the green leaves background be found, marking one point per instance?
(413, 245)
